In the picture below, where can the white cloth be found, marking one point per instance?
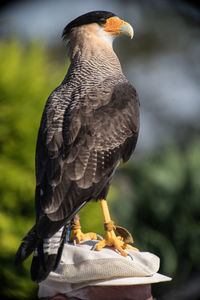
(80, 267)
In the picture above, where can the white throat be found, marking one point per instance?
(108, 37)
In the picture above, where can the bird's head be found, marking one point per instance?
(100, 23)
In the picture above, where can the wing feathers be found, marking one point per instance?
(81, 164)
(83, 154)
(87, 179)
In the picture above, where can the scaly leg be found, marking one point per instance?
(118, 242)
(77, 234)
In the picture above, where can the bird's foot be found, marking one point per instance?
(120, 243)
(78, 236)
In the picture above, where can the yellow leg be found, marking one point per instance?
(111, 239)
(77, 234)
(106, 213)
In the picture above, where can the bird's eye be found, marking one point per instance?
(102, 21)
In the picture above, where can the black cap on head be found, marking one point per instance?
(99, 16)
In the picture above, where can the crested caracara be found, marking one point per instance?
(90, 122)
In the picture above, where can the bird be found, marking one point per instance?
(90, 123)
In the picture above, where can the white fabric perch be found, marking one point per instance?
(80, 267)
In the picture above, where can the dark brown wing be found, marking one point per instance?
(76, 162)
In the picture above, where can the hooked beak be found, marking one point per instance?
(127, 29)
(116, 26)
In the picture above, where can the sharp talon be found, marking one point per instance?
(119, 243)
(78, 235)
(130, 256)
(94, 247)
(99, 237)
(125, 234)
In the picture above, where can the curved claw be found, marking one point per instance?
(94, 247)
(125, 234)
(99, 237)
(130, 256)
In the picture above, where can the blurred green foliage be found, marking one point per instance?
(162, 207)
(27, 78)
(155, 197)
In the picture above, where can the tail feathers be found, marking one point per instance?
(27, 246)
(47, 255)
(42, 265)
(47, 247)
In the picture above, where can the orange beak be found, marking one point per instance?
(115, 25)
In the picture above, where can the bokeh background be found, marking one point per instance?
(156, 195)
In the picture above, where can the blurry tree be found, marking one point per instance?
(162, 209)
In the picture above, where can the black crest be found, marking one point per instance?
(91, 17)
